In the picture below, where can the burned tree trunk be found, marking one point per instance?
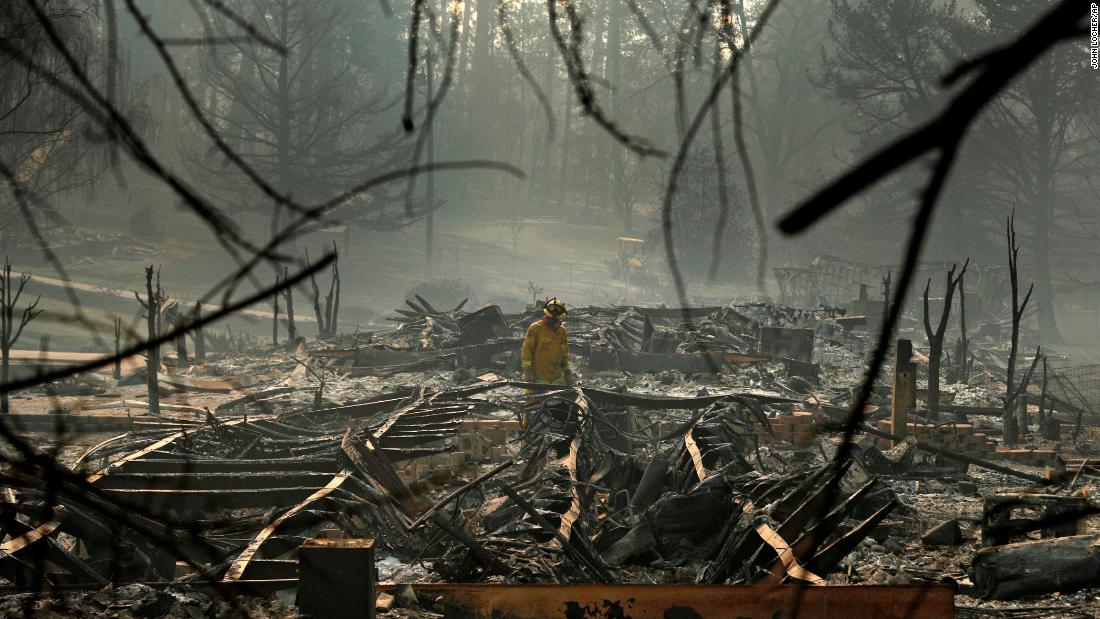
(319, 395)
(1043, 398)
(935, 338)
(118, 349)
(9, 332)
(333, 320)
(886, 296)
(332, 301)
(198, 336)
(961, 371)
(288, 294)
(1011, 431)
(275, 316)
(152, 356)
(326, 318)
(322, 331)
(178, 321)
(1021, 403)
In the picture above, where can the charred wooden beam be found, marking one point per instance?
(220, 481)
(238, 566)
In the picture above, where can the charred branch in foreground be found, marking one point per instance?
(989, 79)
(719, 151)
(679, 162)
(746, 161)
(582, 82)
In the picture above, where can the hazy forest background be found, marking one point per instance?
(823, 85)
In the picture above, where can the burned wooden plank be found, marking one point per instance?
(787, 559)
(154, 447)
(190, 465)
(70, 424)
(34, 536)
(237, 568)
(356, 451)
(267, 569)
(20, 570)
(161, 500)
(249, 398)
(402, 441)
(821, 530)
(695, 455)
(264, 480)
(672, 313)
(356, 411)
(829, 557)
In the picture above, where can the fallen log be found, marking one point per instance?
(1061, 564)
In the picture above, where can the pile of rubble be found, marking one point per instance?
(700, 447)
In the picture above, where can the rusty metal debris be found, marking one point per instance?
(690, 601)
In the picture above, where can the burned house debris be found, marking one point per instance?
(686, 457)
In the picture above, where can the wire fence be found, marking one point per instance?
(1078, 385)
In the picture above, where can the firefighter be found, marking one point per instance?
(545, 351)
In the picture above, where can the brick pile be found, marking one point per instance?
(1031, 456)
(798, 428)
(959, 437)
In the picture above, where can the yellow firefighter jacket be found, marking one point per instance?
(545, 353)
